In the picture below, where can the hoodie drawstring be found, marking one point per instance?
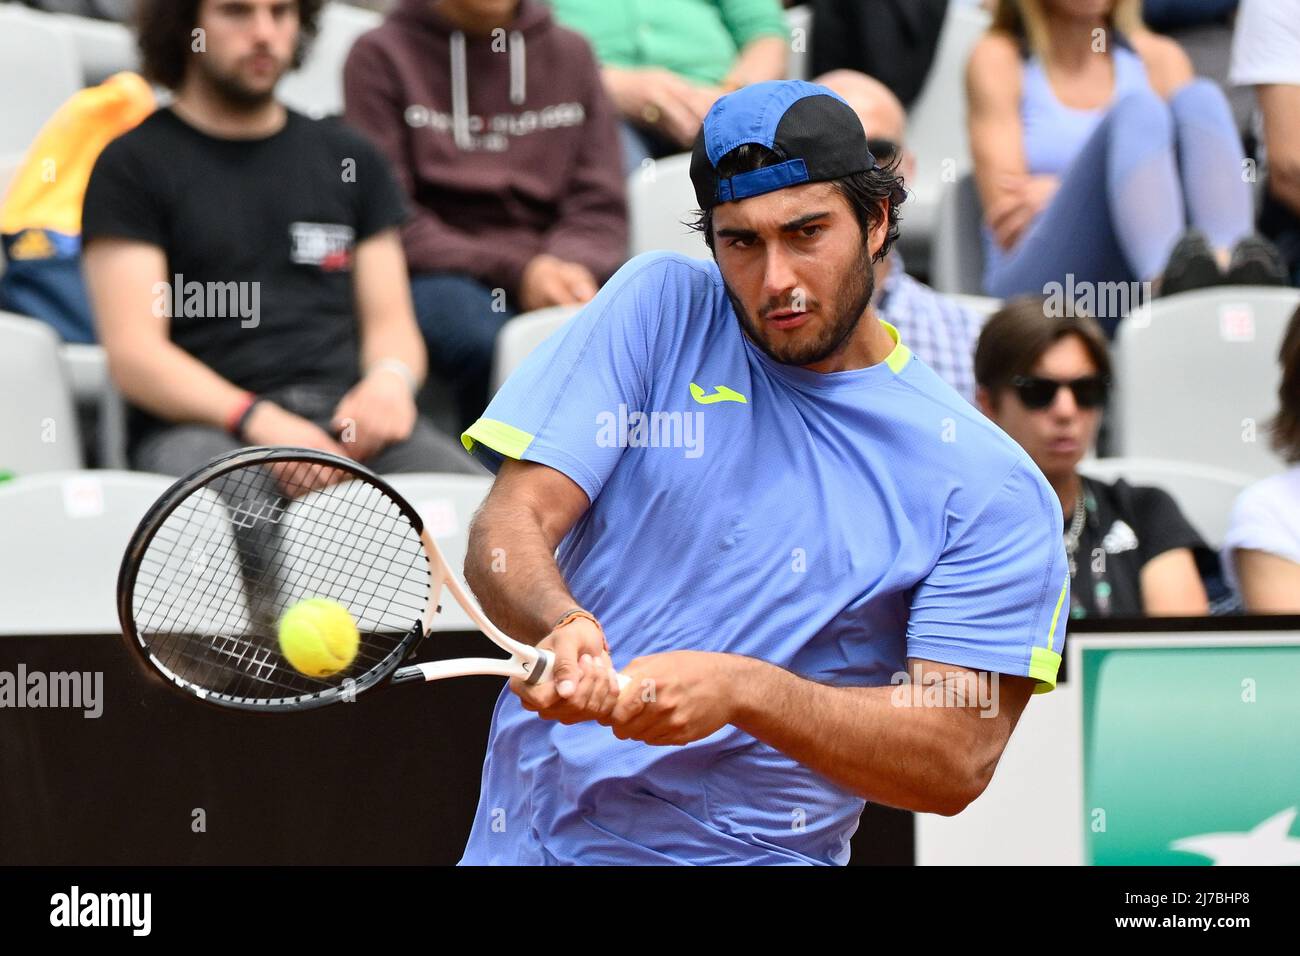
(460, 83)
(459, 92)
(518, 68)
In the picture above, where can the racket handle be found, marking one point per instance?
(544, 670)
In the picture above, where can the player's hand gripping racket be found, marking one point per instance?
(220, 558)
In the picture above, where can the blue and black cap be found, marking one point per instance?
(817, 133)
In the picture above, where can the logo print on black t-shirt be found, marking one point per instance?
(1120, 538)
(322, 244)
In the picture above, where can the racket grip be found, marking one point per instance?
(544, 671)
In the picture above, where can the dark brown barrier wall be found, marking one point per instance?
(392, 779)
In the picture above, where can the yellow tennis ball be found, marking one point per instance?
(318, 637)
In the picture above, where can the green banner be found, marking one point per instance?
(1191, 754)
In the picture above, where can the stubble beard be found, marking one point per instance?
(851, 300)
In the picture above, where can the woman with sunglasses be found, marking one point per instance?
(1044, 381)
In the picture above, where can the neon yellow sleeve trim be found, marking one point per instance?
(500, 437)
(1060, 600)
(1043, 665)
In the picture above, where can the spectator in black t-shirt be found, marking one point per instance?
(244, 262)
(1044, 379)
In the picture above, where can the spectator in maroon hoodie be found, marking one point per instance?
(501, 132)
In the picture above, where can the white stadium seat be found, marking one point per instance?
(103, 47)
(522, 334)
(317, 88)
(957, 251)
(10, 163)
(660, 200)
(73, 527)
(1196, 378)
(447, 504)
(38, 428)
(92, 388)
(39, 70)
(936, 132)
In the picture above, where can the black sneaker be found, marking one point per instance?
(1191, 265)
(1256, 261)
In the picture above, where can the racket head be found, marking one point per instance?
(229, 548)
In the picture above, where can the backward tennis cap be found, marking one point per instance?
(815, 130)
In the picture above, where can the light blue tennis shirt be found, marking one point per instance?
(831, 524)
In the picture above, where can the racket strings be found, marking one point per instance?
(257, 659)
(377, 564)
(237, 552)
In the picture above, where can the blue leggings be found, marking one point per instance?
(1149, 171)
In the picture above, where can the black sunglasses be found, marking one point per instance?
(1035, 392)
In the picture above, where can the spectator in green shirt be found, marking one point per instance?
(666, 61)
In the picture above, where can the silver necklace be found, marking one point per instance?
(1076, 528)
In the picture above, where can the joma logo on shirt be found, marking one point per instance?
(326, 245)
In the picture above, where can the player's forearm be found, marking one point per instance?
(511, 569)
(866, 739)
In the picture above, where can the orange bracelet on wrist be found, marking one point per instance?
(578, 612)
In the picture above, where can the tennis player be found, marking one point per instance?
(775, 513)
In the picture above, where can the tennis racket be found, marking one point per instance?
(226, 550)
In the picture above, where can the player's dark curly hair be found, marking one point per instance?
(165, 35)
(863, 191)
